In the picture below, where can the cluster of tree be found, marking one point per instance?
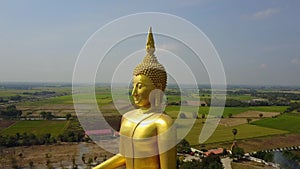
(276, 95)
(47, 115)
(72, 136)
(12, 98)
(11, 111)
(240, 92)
(18, 85)
(271, 98)
(175, 92)
(194, 115)
(237, 153)
(178, 103)
(267, 156)
(212, 161)
(26, 139)
(26, 96)
(74, 133)
(293, 106)
(286, 159)
(235, 103)
(239, 103)
(184, 147)
(15, 98)
(42, 93)
(228, 103)
(50, 116)
(277, 98)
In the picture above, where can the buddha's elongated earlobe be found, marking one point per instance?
(157, 99)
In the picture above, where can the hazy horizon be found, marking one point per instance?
(124, 84)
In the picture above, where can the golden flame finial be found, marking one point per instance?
(150, 48)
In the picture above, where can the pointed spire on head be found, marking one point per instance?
(150, 66)
(150, 48)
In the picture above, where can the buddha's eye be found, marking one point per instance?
(139, 86)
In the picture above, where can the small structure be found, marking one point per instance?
(217, 151)
(195, 103)
(234, 144)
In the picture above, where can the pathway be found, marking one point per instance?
(226, 162)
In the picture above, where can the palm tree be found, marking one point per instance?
(234, 132)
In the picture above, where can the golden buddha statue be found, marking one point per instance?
(147, 135)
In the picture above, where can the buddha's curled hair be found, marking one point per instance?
(151, 68)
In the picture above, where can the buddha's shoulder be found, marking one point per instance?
(163, 119)
(131, 112)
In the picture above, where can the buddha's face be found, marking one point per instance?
(142, 86)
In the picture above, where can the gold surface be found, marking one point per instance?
(147, 135)
(142, 86)
(150, 40)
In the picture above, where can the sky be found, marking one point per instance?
(257, 41)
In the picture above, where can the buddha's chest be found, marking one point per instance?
(140, 127)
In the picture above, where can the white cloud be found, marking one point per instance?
(263, 66)
(295, 61)
(168, 46)
(265, 13)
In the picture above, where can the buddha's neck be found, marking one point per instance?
(149, 109)
(145, 109)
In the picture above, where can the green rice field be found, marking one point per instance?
(227, 110)
(224, 134)
(37, 127)
(289, 122)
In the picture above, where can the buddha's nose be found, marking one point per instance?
(134, 92)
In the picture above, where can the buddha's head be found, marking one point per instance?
(148, 76)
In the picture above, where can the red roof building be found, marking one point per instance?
(214, 151)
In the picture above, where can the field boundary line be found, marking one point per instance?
(9, 126)
(66, 125)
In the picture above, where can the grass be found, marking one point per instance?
(224, 134)
(173, 110)
(289, 122)
(14, 92)
(68, 99)
(37, 127)
(247, 165)
(103, 96)
(234, 110)
(269, 108)
(244, 131)
(237, 110)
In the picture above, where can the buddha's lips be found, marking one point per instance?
(137, 99)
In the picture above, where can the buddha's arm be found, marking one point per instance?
(167, 141)
(114, 162)
(168, 159)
